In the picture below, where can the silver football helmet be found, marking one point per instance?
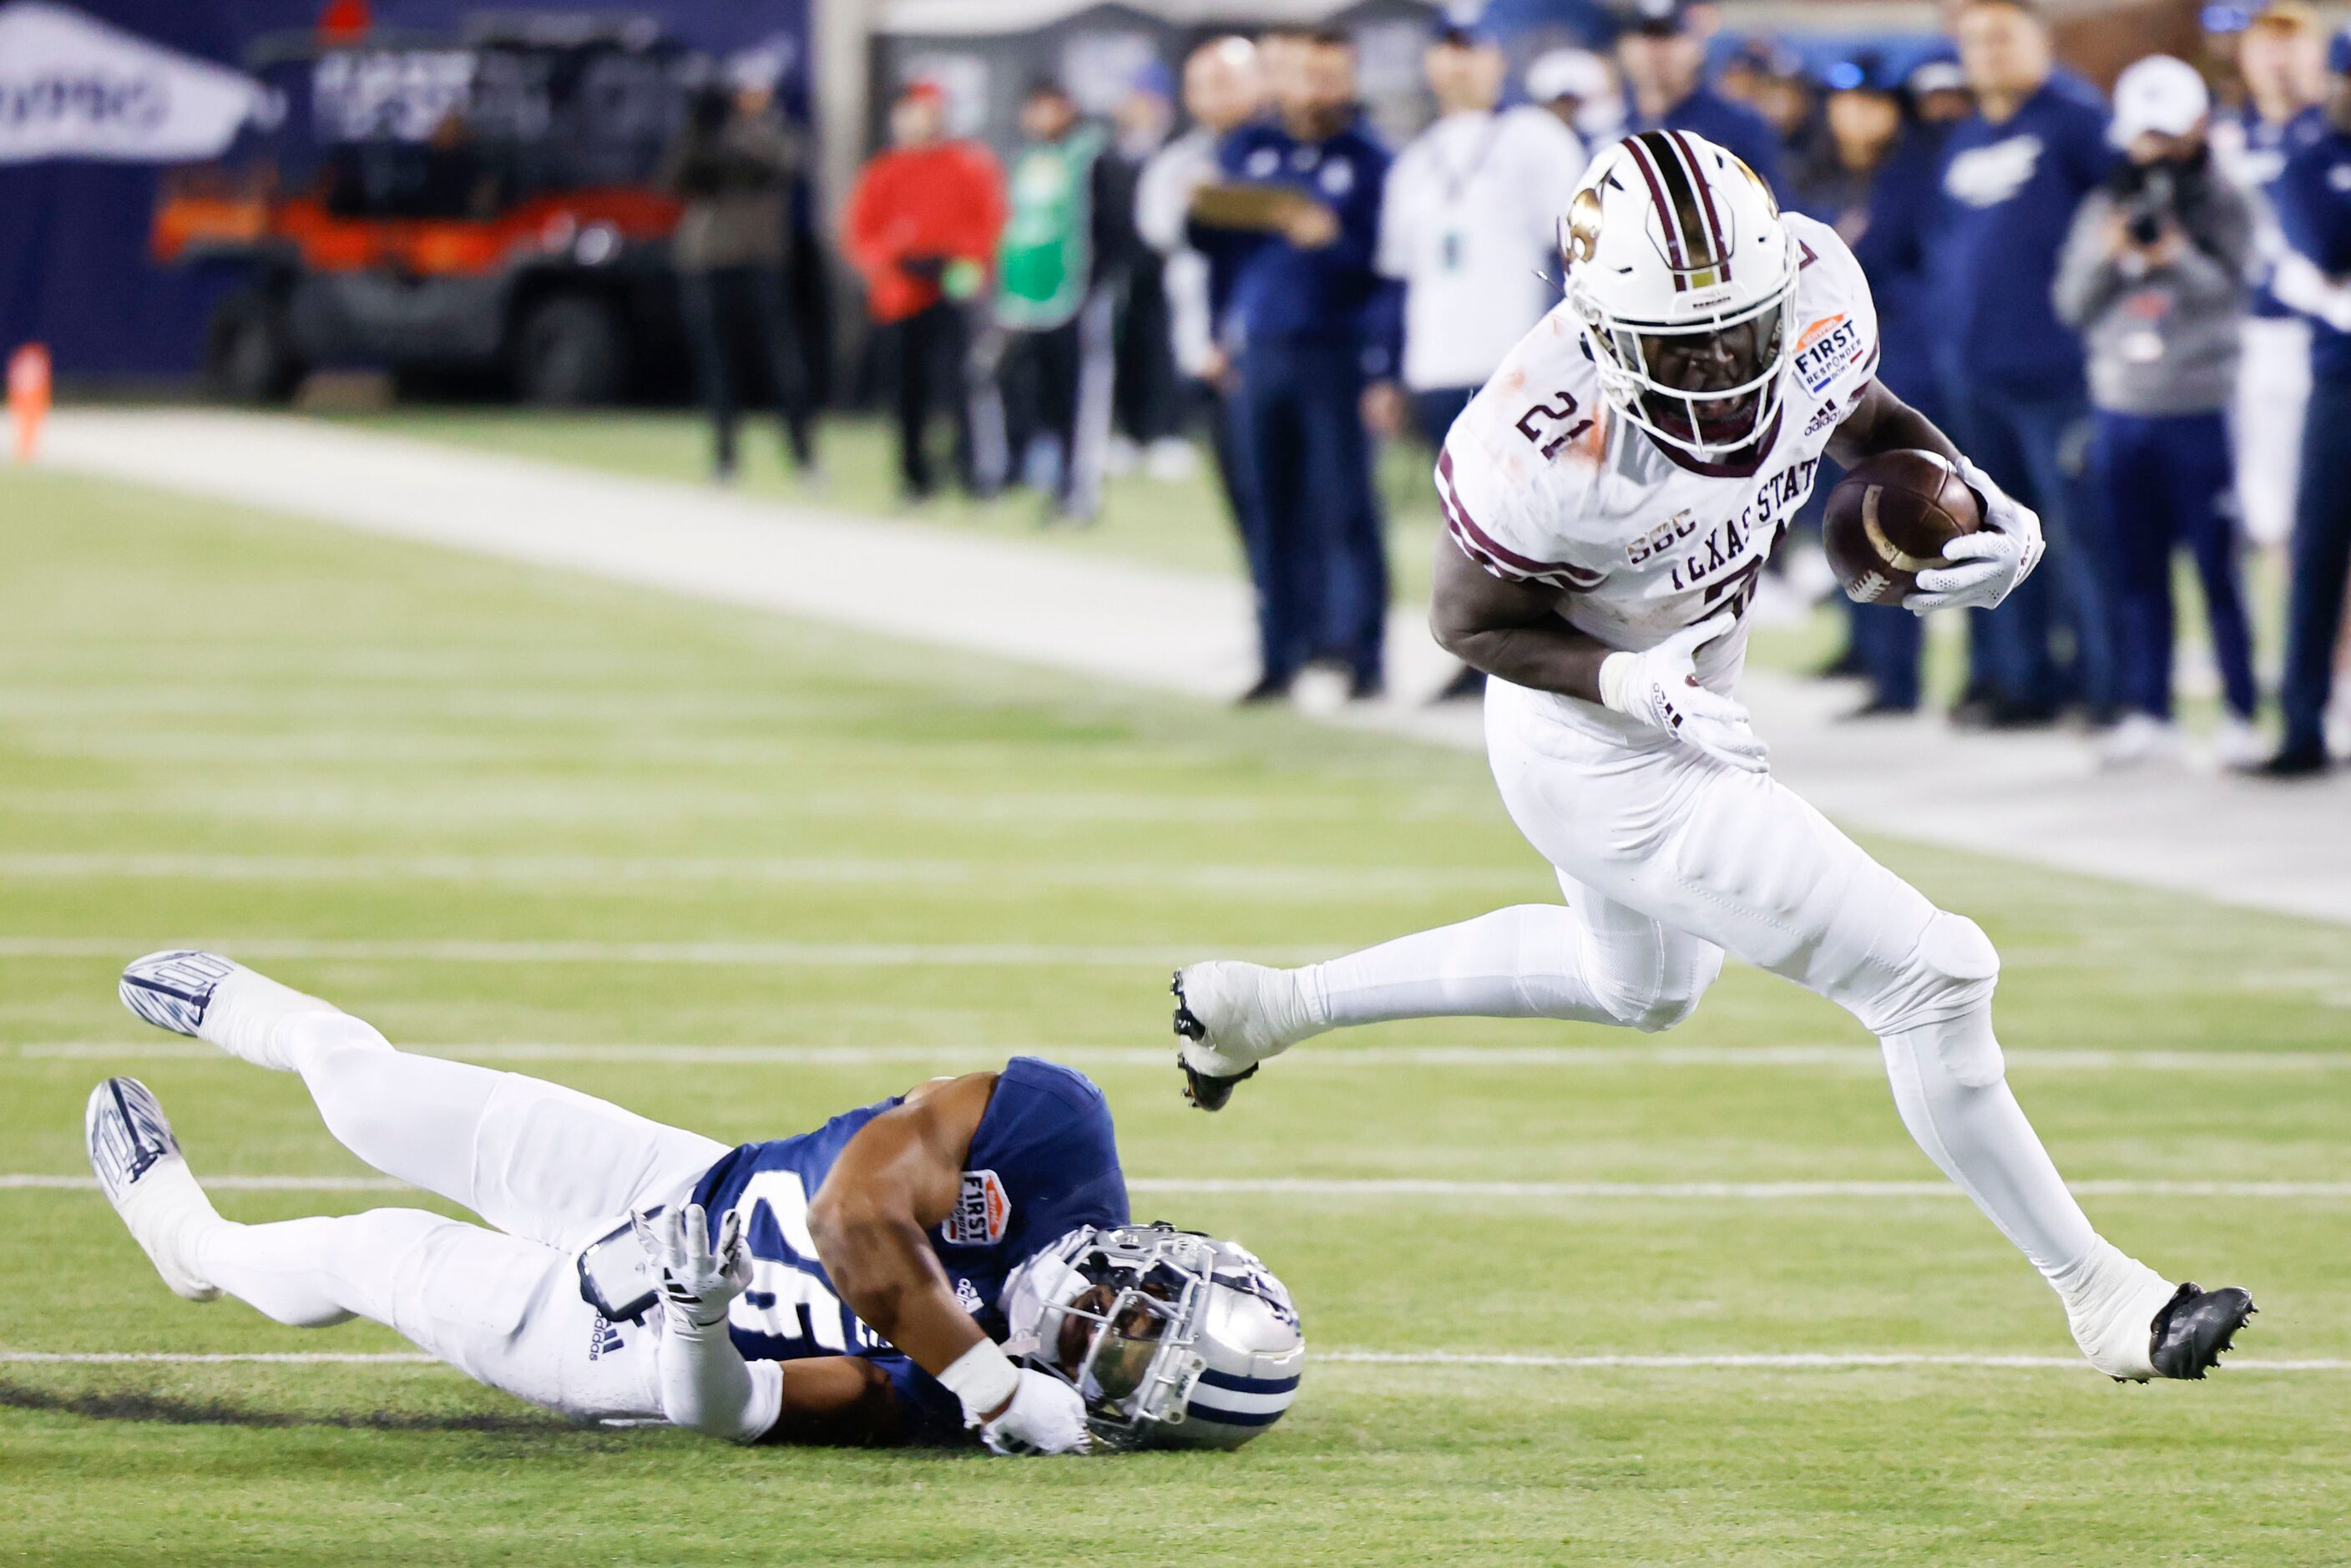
(1174, 1339)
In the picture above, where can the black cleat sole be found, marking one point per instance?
(1206, 1091)
(2195, 1328)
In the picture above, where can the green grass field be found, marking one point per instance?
(408, 772)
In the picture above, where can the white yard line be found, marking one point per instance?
(1350, 1189)
(2216, 837)
(1860, 1058)
(538, 872)
(1798, 1361)
(841, 955)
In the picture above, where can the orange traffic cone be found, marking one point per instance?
(29, 396)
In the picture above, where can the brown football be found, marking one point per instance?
(1888, 520)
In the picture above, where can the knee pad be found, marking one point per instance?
(1956, 968)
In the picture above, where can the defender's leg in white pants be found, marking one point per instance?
(504, 1311)
(535, 1159)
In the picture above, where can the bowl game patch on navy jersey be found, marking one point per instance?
(981, 1214)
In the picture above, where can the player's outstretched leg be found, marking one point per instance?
(535, 1159)
(143, 1174)
(1591, 960)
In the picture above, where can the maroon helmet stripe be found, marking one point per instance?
(1675, 258)
(1706, 200)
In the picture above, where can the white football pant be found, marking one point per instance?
(551, 1168)
(1669, 859)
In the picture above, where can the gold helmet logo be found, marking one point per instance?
(1584, 225)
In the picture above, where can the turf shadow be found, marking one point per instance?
(163, 1410)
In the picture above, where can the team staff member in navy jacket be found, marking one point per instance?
(2013, 172)
(2314, 205)
(1662, 52)
(1310, 326)
(1891, 154)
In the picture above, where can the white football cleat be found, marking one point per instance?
(146, 1177)
(1229, 1016)
(209, 997)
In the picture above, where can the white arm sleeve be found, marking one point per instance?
(707, 1386)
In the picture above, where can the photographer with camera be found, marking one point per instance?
(2153, 276)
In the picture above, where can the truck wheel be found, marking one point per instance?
(248, 351)
(568, 352)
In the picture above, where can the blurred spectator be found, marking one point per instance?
(1779, 89)
(2013, 172)
(1064, 242)
(1883, 203)
(1581, 91)
(1938, 93)
(1469, 226)
(2313, 204)
(1311, 330)
(733, 165)
(2153, 277)
(1223, 89)
(921, 227)
(1662, 52)
(2282, 61)
(1147, 403)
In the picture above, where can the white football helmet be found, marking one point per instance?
(1683, 279)
(1174, 1339)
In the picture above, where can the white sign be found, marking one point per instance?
(73, 86)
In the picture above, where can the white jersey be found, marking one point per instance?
(1540, 483)
(1468, 222)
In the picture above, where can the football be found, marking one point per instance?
(1888, 520)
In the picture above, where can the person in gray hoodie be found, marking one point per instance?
(2153, 276)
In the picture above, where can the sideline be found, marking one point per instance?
(2038, 799)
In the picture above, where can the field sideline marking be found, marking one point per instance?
(1797, 1362)
(1850, 1058)
(1406, 1186)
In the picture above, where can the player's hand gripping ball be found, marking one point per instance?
(1894, 515)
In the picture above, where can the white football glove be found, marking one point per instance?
(697, 1284)
(1046, 1416)
(1660, 688)
(1987, 565)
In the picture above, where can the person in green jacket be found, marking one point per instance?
(1056, 274)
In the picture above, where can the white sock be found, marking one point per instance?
(1514, 963)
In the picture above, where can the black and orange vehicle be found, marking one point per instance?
(489, 209)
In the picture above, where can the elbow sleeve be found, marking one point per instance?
(707, 1386)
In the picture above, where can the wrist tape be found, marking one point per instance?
(983, 1378)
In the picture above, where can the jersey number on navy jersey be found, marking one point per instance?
(786, 1302)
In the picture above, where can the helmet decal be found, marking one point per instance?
(1583, 226)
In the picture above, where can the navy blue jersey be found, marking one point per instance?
(2008, 192)
(2263, 162)
(1043, 1162)
(2313, 204)
(1270, 290)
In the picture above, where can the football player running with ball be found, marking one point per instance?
(954, 1263)
(1609, 497)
